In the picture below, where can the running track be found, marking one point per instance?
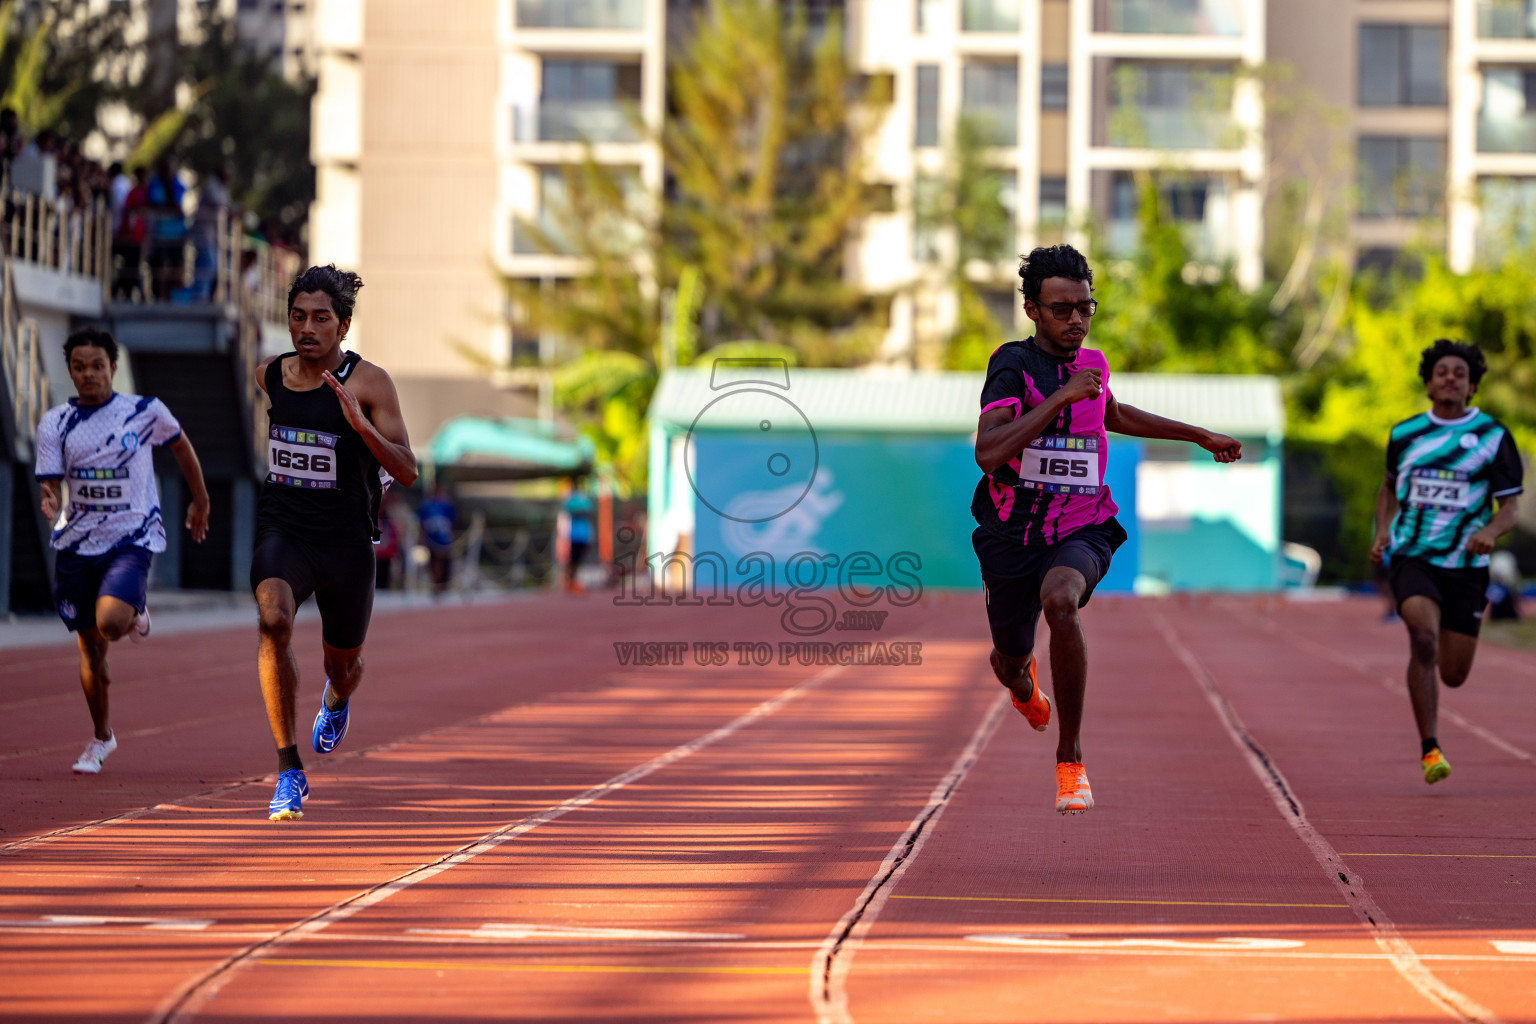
(519, 828)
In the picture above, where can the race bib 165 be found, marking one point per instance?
(1061, 465)
(301, 458)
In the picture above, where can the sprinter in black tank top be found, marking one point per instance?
(335, 435)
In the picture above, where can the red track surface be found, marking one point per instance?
(518, 827)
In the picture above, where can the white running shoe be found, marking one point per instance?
(95, 754)
(140, 628)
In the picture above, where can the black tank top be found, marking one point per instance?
(322, 482)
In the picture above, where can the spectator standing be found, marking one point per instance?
(438, 517)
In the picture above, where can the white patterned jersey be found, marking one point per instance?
(102, 453)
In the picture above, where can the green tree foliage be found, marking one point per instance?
(246, 116)
(61, 61)
(1347, 404)
(1161, 310)
(762, 151)
(966, 203)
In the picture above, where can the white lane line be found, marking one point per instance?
(163, 924)
(829, 970)
(1518, 946)
(568, 933)
(1227, 944)
(1388, 939)
(183, 1004)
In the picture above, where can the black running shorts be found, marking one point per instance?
(1462, 594)
(340, 576)
(1011, 575)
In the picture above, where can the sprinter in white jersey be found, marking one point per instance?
(98, 446)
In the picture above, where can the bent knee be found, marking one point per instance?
(343, 666)
(1060, 608)
(275, 624)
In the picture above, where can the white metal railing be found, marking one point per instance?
(22, 360)
(58, 236)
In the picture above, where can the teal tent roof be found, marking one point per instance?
(472, 447)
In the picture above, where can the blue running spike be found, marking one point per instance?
(288, 802)
(330, 726)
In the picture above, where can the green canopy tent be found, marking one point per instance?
(470, 448)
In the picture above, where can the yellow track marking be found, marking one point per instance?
(418, 965)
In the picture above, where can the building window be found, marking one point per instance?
(1400, 176)
(1002, 305)
(1402, 65)
(989, 15)
(927, 206)
(1053, 87)
(1053, 200)
(610, 14)
(1506, 19)
(1169, 105)
(930, 16)
(588, 100)
(927, 102)
(1170, 17)
(989, 94)
(1507, 121)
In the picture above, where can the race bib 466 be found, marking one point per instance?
(301, 458)
(1061, 465)
(100, 490)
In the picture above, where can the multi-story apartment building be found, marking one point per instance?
(1439, 102)
(1078, 99)
(1081, 102)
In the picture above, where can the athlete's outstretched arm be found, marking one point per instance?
(1134, 422)
(197, 512)
(1481, 542)
(380, 425)
(1000, 436)
(1386, 511)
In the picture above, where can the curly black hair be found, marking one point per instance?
(1052, 261)
(1471, 354)
(340, 285)
(92, 337)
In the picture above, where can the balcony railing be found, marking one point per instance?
(574, 122)
(55, 236)
(1172, 128)
(989, 16)
(1507, 135)
(1506, 19)
(599, 14)
(1170, 17)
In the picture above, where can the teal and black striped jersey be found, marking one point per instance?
(1447, 474)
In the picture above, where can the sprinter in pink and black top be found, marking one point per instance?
(1047, 528)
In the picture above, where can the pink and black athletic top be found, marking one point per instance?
(1055, 486)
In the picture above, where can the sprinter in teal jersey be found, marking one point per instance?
(1435, 527)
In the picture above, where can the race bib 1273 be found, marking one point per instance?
(1439, 488)
(100, 490)
(1061, 465)
(301, 458)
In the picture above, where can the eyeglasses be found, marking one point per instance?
(1063, 310)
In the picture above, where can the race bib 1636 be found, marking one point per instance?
(1061, 465)
(301, 458)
